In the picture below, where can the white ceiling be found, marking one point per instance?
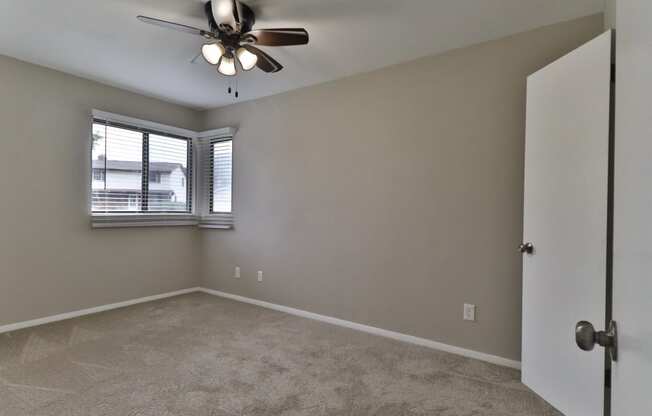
(103, 41)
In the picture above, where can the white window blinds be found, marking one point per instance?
(135, 170)
(170, 174)
(221, 157)
(217, 176)
(117, 169)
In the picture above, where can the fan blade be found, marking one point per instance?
(265, 62)
(277, 37)
(177, 26)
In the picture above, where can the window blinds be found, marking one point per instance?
(135, 170)
(217, 175)
(170, 174)
(221, 172)
(117, 169)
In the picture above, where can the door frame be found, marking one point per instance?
(610, 221)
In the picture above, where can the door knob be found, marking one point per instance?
(587, 337)
(526, 248)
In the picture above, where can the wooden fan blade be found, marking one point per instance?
(277, 37)
(265, 62)
(177, 26)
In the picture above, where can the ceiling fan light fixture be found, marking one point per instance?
(227, 66)
(231, 42)
(212, 52)
(247, 59)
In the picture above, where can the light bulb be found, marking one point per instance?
(247, 59)
(212, 52)
(227, 66)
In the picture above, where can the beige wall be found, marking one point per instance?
(391, 198)
(610, 14)
(51, 261)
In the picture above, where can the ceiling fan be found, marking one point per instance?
(231, 37)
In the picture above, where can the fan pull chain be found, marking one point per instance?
(231, 89)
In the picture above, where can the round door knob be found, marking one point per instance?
(585, 335)
(526, 248)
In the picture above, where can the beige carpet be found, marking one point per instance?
(202, 355)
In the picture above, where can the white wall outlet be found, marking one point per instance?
(260, 275)
(469, 312)
(236, 272)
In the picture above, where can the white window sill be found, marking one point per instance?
(142, 220)
(217, 222)
(215, 226)
(159, 220)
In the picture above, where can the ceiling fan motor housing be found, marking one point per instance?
(246, 17)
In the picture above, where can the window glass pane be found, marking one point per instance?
(222, 170)
(117, 169)
(168, 171)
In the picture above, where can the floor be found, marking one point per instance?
(202, 355)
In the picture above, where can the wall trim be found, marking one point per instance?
(90, 311)
(494, 359)
(424, 342)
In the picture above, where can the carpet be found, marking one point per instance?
(200, 355)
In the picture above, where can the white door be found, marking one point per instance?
(632, 374)
(565, 218)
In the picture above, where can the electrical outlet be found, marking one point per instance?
(260, 275)
(236, 273)
(469, 312)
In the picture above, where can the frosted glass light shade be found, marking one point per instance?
(212, 52)
(247, 59)
(227, 66)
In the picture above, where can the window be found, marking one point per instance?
(135, 170)
(118, 157)
(216, 151)
(143, 174)
(220, 185)
(169, 162)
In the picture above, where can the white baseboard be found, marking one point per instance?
(292, 311)
(89, 311)
(372, 330)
